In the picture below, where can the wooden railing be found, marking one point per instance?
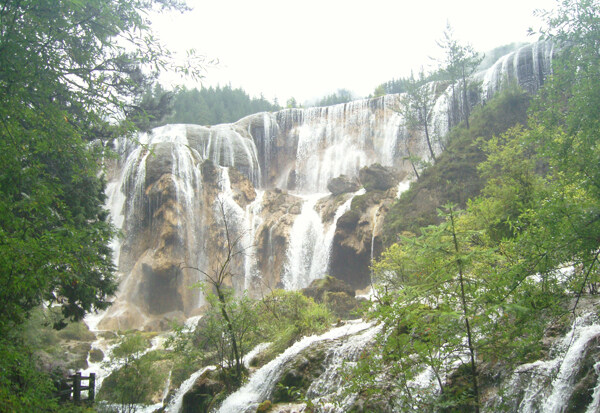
(74, 387)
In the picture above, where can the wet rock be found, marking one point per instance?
(377, 177)
(342, 184)
(202, 397)
(159, 162)
(299, 374)
(318, 289)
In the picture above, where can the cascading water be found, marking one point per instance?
(261, 383)
(547, 385)
(305, 263)
(310, 246)
(327, 391)
(252, 220)
(340, 139)
(527, 67)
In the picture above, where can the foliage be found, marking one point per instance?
(70, 74)
(138, 376)
(416, 107)
(280, 318)
(392, 86)
(216, 336)
(340, 96)
(455, 177)
(22, 386)
(459, 63)
(286, 316)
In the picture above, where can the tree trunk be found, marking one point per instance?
(236, 354)
(463, 300)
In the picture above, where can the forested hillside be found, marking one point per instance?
(211, 106)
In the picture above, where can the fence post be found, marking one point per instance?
(92, 387)
(77, 387)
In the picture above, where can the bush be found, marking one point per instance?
(288, 316)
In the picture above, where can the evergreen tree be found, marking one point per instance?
(460, 62)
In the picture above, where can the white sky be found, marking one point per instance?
(310, 48)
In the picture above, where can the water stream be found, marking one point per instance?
(261, 383)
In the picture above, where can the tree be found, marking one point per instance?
(231, 311)
(416, 106)
(432, 277)
(340, 96)
(135, 377)
(69, 72)
(291, 103)
(460, 63)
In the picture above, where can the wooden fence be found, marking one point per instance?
(74, 386)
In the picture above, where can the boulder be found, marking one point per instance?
(201, 397)
(318, 289)
(377, 177)
(342, 184)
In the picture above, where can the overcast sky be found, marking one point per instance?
(311, 48)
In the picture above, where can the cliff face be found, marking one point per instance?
(274, 178)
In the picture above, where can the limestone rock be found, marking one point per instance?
(358, 238)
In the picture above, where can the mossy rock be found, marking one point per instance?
(349, 221)
(264, 407)
(322, 286)
(586, 379)
(108, 335)
(96, 355)
(342, 184)
(206, 392)
(299, 374)
(76, 331)
(377, 177)
(341, 304)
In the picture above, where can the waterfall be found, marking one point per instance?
(310, 243)
(252, 220)
(327, 390)
(157, 196)
(261, 383)
(225, 146)
(177, 401)
(527, 66)
(305, 258)
(546, 385)
(341, 139)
